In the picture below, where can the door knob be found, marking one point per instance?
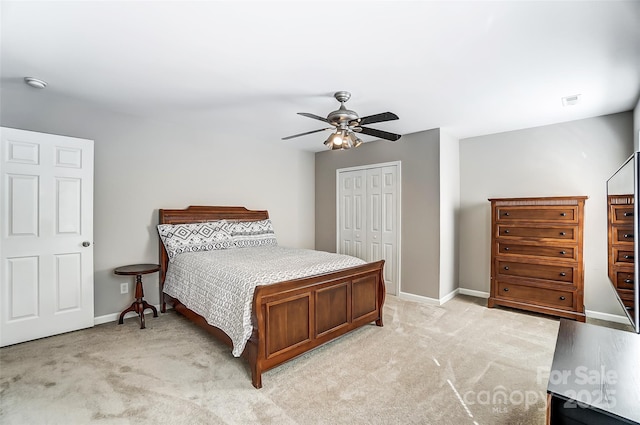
(86, 244)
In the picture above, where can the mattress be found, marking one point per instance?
(219, 285)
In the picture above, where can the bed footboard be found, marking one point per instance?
(293, 317)
(289, 318)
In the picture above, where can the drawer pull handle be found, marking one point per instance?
(628, 281)
(563, 274)
(628, 235)
(506, 267)
(562, 233)
(628, 214)
(563, 252)
(506, 289)
(562, 298)
(628, 257)
(563, 214)
(506, 248)
(506, 231)
(507, 214)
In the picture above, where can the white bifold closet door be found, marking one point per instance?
(369, 217)
(46, 241)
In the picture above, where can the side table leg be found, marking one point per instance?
(139, 305)
(132, 307)
(139, 300)
(146, 305)
(141, 313)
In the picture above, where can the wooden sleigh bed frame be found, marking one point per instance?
(291, 317)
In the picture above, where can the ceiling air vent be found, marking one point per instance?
(571, 100)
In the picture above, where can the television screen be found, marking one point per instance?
(622, 202)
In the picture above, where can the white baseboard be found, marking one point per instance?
(606, 316)
(449, 296)
(113, 317)
(474, 293)
(418, 298)
(427, 300)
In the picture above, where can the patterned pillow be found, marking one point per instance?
(252, 233)
(192, 237)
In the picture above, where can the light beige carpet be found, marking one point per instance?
(459, 363)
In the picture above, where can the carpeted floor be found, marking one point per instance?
(459, 363)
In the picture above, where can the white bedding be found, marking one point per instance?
(219, 284)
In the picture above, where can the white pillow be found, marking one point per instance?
(192, 237)
(252, 233)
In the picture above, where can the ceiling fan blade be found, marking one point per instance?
(304, 134)
(379, 133)
(315, 117)
(385, 116)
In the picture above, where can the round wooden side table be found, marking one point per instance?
(139, 305)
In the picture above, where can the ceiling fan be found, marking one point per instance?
(347, 124)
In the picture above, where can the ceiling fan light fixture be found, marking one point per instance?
(340, 147)
(335, 141)
(355, 140)
(346, 123)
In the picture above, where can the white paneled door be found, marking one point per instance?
(351, 211)
(46, 241)
(368, 217)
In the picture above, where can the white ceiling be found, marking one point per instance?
(471, 67)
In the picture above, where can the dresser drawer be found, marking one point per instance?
(624, 279)
(534, 295)
(555, 273)
(623, 255)
(559, 213)
(627, 298)
(622, 234)
(560, 233)
(514, 248)
(621, 214)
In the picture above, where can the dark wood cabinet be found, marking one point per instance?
(594, 378)
(536, 255)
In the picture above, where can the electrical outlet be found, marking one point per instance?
(124, 288)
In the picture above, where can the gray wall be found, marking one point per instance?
(573, 158)
(142, 165)
(419, 154)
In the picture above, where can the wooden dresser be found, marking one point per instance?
(621, 249)
(537, 256)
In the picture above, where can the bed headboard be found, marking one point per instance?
(198, 214)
